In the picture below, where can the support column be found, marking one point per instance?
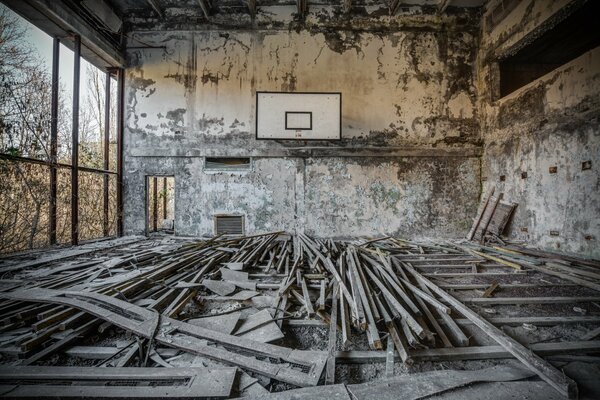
(75, 145)
(165, 191)
(120, 127)
(155, 204)
(106, 153)
(54, 140)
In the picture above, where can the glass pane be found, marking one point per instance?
(91, 116)
(91, 205)
(63, 206)
(24, 206)
(25, 89)
(65, 104)
(112, 205)
(112, 160)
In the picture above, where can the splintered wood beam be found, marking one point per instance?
(214, 383)
(169, 332)
(205, 6)
(156, 7)
(555, 378)
(393, 6)
(332, 346)
(442, 5)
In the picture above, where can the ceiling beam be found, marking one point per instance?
(56, 19)
(205, 6)
(156, 7)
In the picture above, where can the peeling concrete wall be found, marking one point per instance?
(552, 122)
(408, 159)
(404, 197)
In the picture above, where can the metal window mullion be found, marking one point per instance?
(106, 153)
(75, 145)
(54, 141)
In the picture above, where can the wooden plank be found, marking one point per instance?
(488, 213)
(389, 361)
(332, 346)
(399, 342)
(86, 328)
(374, 339)
(398, 309)
(490, 290)
(591, 334)
(84, 382)
(483, 286)
(531, 300)
(479, 274)
(187, 337)
(480, 213)
(321, 302)
(538, 321)
(513, 321)
(564, 385)
(457, 334)
(307, 302)
(471, 352)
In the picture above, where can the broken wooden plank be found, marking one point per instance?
(564, 385)
(260, 327)
(470, 353)
(332, 345)
(187, 337)
(83, 382)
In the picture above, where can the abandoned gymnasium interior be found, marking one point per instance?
(294, 199)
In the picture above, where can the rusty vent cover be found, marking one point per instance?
(229, 224)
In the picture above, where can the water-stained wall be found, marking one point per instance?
(538, 138)
(408, 162)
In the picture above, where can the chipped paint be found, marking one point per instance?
(407, 83)
(552, 122)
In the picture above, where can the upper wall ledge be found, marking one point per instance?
(319, 18)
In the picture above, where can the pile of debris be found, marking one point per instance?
(374, 288)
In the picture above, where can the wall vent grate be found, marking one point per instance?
(229, 224)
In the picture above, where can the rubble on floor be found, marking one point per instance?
(174, 315)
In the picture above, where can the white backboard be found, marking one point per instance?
(298, 116)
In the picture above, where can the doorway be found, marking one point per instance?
(160, 204)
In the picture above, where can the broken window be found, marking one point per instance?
(37, 191)
(229, 224)
(227, 163)
(567, 40)
(160, 204)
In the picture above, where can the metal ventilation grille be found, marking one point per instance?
(229, 224)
